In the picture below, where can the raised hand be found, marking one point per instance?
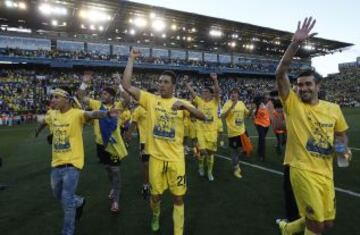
(178, 105)
(87, 76)
(213, 76)
(303, 30)
(187, 80)
(134, 53)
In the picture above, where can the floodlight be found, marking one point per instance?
(215, 33)
(54, 23)
(140, 22)
(158, 25)
(174, 27)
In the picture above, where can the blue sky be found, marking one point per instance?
(338, 20)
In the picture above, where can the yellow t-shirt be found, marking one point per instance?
(220, 125)
(209, 109)
(125, 116)
(235, 119)
(139, 116)
(311, 134)
(67, 146)
(48, 118)
(95, 105)
(164, 138)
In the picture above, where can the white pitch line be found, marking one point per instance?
(346, 191)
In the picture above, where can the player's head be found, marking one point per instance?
(207, 92)
(61, 98)
(308, 85)
(234, 94)
(108, 95)
(258, 100)
(167, 84)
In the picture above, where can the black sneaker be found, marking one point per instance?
(145, 191)
(79, 210)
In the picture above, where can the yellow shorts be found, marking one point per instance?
(164, 175)
(207, 140)
(314, 194)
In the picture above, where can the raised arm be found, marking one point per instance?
(188, 85)
(227, 112)
(126, 81)
(81, 92)
(302, 33)
(98, 114)
(179, 105)
(123, 94)
(214, 77)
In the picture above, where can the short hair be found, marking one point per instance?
(110, 90)
(67, 89)
(152, 90)
(235, 90)
(277, 104)
(274, 93)
(211, 90)
(171, 74)
(310, 72)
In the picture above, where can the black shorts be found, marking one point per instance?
(235, 142)
(105, 157)
(144, 157)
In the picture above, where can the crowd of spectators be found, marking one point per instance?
(343, 87)
(248, 65)
(25, 92)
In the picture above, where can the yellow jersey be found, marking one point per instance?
(139, 116)
(165, 132)
(125, 117)
(48, 118)
(209, 109)
(235, 119)
(67, 146)
(95, 105)
(220, 125)
(311, 134)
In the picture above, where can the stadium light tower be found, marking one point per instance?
(15, 4)
(140, 22)
(94, 15)
(158, 25)
(48, 9)
(215, 33)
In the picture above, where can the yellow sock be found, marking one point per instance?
(178, 218)
(210, 162)
(296, 226)
(308, 232)
(155, 207)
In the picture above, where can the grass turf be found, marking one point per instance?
(225, 206)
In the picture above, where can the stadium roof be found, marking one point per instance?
(130, 22)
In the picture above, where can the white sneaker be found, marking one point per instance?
(201, 171)
(210, 176)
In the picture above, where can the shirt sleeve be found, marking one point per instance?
(94, 104)
(197, 100)
(291, 101)
(340, 124)
(135, 115)
(145, 99)
(81, 114)
(225, 107)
